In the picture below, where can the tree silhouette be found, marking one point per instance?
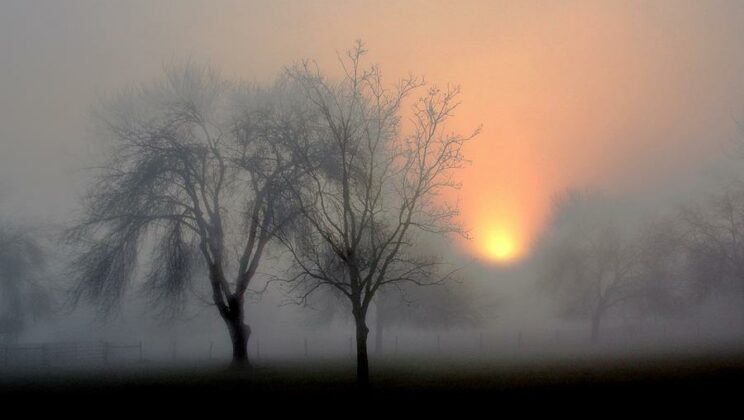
(590, 259)
(371, 190)
(195, 175)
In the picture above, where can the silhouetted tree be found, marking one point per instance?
(370, 189)
(591, 261)
(196, 176)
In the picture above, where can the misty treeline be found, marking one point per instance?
(598, 259)
(203, 175)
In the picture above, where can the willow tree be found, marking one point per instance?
(194, 177)
(370, 191)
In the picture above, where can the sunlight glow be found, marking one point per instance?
(501, 246)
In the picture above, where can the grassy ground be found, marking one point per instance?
(672, 380)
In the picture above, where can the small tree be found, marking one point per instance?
(195, 172)
(589, 259)
(370, 190)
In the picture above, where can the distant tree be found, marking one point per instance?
(195, 176)
(715, 231)
(590, 260)
(370, 189)
(667, 280)
(23, 295)
(441, 306)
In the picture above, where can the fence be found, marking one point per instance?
(470, 343)
(69, 354)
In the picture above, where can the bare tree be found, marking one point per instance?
(667, 274)
(371, 192)
(589, 259)
(714, 234)
(195, 175)
(23, 297)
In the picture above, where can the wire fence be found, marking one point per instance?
(395, 343)
(56, 355)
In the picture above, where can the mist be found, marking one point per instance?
(354, 194)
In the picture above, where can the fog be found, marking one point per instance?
(587, 199)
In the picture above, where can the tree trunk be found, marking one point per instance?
(239, 335)
(362, 360)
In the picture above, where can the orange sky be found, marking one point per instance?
(614, 95)
(618, 95)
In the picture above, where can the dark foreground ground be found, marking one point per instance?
(583, 386)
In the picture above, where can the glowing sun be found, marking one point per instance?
(500, 246)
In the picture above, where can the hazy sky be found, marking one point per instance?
(619, 95)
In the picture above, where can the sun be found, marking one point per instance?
(500, 246)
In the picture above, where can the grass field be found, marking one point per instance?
(671, 380)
